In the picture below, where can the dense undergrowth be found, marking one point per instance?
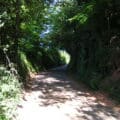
(90, 32)
(10, 89)
(40, 61)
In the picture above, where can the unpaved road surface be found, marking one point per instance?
(56, 96)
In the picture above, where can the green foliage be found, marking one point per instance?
(89, 31)
(19, 19)
(9, 94)
(65, 57)
(84, 13)
(52, 58)
(95, 81)
(21, 23)
(36, 60)
(25, 65)
(115, 92)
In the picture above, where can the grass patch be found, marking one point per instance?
(10, 89)
(26, 64)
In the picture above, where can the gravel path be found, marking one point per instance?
(55, 96)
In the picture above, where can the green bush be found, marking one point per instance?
(9, 94)
(52, 58)
(114, 90)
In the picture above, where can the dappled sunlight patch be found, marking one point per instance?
(54, 96)
(64, 56)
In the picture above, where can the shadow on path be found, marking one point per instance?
(55, 89)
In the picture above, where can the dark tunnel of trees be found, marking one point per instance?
(33, 32)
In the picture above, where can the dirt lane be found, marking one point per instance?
(55, 96)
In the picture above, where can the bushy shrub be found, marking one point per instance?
(115, 92)
(9, 94)
(52, 58)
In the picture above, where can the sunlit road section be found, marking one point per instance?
(55, 96)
